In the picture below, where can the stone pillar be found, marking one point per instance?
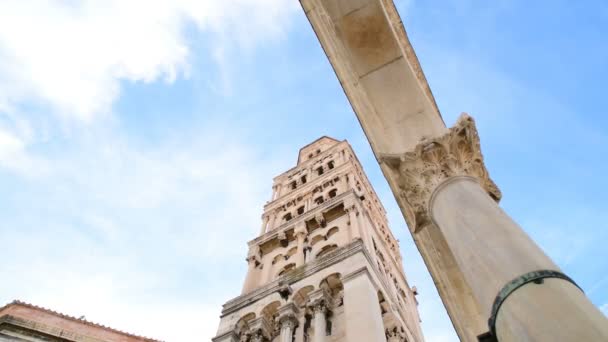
(272, 219)
(320, 301)
(299, 336)
(355, 230)
(361, 308)
(264, 224)
(445, 184)
(300, 233)
(287, 317)
(251, 278)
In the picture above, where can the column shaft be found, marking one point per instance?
(300, 254)
(319, 325)
(491, 250)
(286, 333)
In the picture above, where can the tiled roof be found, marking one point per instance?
(71, 318)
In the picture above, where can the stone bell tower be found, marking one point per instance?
(325, 266)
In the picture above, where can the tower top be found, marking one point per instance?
(316, 147)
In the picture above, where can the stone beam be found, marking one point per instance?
(378, 69)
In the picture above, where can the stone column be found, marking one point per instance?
(445, 184)
(361, 308)
(319, 304)
(287, 317)
(351, 210)
(264, 224)
(300, 233)
(272, 218)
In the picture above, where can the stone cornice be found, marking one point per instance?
(433, 161)
(296, 275)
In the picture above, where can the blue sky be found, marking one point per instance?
(138, 142)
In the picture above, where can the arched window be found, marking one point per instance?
(333, 193)
(293, 185)
(286, 269)
(330, 165)
(320, 170)
(316, 239)
(319, 200)
(327, 249)
(287, 217)
(301, 210)
(303, 179)
(331, 231)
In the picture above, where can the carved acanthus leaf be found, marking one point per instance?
(457, 153)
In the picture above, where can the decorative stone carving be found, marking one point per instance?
(395, 334)
(300, 229)
(320, 219)
(285, 291)
(457, 153)
(260, 329)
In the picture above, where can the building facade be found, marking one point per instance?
(325, 266)
(23, 322)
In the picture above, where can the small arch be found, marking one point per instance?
(287, 217)
(327, 249)
(271, 309)
(278, 258)
(332, 193)
(330, 165)
(331, 231)
(291, 252)
(300, 297)
(286, 269)
(316, 239)
(301, 210)
(303, 179)
(319, 200)
(319, 170)
(243, 323)
(293, 185)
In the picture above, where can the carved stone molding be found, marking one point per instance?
(395, 334)
(420, 172)
(260, 329)
(319, 301)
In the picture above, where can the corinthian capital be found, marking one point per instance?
(456, 153)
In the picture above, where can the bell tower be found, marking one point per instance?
(325, 266)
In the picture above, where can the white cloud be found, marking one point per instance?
(72, 55)
(133, 236)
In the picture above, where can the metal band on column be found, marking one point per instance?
(536, 277)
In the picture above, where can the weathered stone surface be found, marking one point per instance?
(325, 254)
